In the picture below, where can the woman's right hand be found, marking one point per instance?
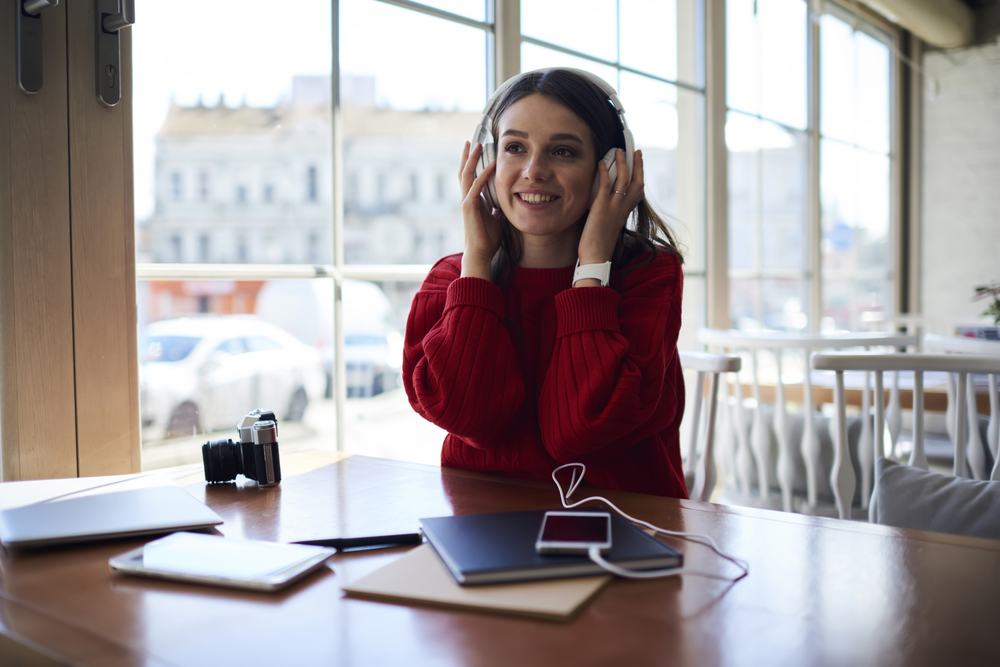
(482, 228)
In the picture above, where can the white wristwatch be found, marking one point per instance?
(600, 272)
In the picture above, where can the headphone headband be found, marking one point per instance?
(603, 85)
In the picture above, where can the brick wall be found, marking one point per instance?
(960, 225)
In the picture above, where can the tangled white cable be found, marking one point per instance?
(579, 470)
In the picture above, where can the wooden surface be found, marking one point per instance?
(820, 591)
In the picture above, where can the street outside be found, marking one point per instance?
(383, 426)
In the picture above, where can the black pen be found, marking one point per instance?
(366, 542)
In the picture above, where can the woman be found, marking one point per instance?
(516, 347)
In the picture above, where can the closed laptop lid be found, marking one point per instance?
(106, 515)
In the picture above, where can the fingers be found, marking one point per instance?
(470, 158)
(480, 181)
(636, 186)
(465, 158)
(603, 182)
(621, 172)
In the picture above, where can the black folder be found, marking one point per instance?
(500, 547)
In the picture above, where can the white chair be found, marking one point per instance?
(750, 455)
(965, 345)
(961, 366)
(699, 464)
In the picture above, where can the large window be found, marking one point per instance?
(254, 207)
(785, 123)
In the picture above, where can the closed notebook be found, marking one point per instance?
(500, 547)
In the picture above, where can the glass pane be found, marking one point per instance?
(669, 126)
(383, 423)
(767, 59)
(212, 350)
(846, 300)
(663, 37)
(403, 131)
(742, 141)
(744, 304)
(874, 88)
(232, 141)
(580, 25)
(767, 195)
(784, 166)
(784, 304)
(473, 9)
(855, 249)
(537, 57)
(693, 311)
(772, 303)
(856, 86)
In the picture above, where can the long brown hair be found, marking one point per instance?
(645, 231)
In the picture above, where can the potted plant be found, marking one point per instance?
(992, 292)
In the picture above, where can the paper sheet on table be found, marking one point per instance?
(419, 576)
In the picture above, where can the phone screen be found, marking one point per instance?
(576, 528)
(574, 531)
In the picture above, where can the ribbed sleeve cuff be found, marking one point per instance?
(587, 309)
(476, 292)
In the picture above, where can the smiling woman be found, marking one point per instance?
(527, 360)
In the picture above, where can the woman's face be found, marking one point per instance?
(545, 166)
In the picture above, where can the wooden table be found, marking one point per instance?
(820, 591)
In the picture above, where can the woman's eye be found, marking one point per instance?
(513, 147)
(562, 151)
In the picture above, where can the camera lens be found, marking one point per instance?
(221, 459)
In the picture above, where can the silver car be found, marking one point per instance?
(202, 373)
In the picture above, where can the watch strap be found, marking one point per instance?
(601, 272)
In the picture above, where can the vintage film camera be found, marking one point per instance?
(255, 455)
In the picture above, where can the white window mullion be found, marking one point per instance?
(814, 232)
(717, 222)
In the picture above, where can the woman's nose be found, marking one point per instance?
(537, 167)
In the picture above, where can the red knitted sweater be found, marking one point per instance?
(537, 374)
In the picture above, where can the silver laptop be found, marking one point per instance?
(108, 515)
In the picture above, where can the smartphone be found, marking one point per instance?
(574, 532)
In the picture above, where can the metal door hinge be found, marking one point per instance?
(112, 16)
(29, 43)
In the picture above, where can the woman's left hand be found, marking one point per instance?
(610, 209)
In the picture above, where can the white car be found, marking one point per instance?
(373, 347)
(203, 373)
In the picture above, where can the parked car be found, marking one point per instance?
(373, 346)
(203, 373)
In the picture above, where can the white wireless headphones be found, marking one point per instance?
(484, 131)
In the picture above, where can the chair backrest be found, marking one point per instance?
(755, 454)
(964, 345)
(699, 465)
(842, 475)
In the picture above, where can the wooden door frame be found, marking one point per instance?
(68, 358)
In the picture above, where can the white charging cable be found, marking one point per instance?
(579, 470)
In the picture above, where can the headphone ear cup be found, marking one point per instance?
(609, 160)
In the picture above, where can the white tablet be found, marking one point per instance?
(213, 559)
